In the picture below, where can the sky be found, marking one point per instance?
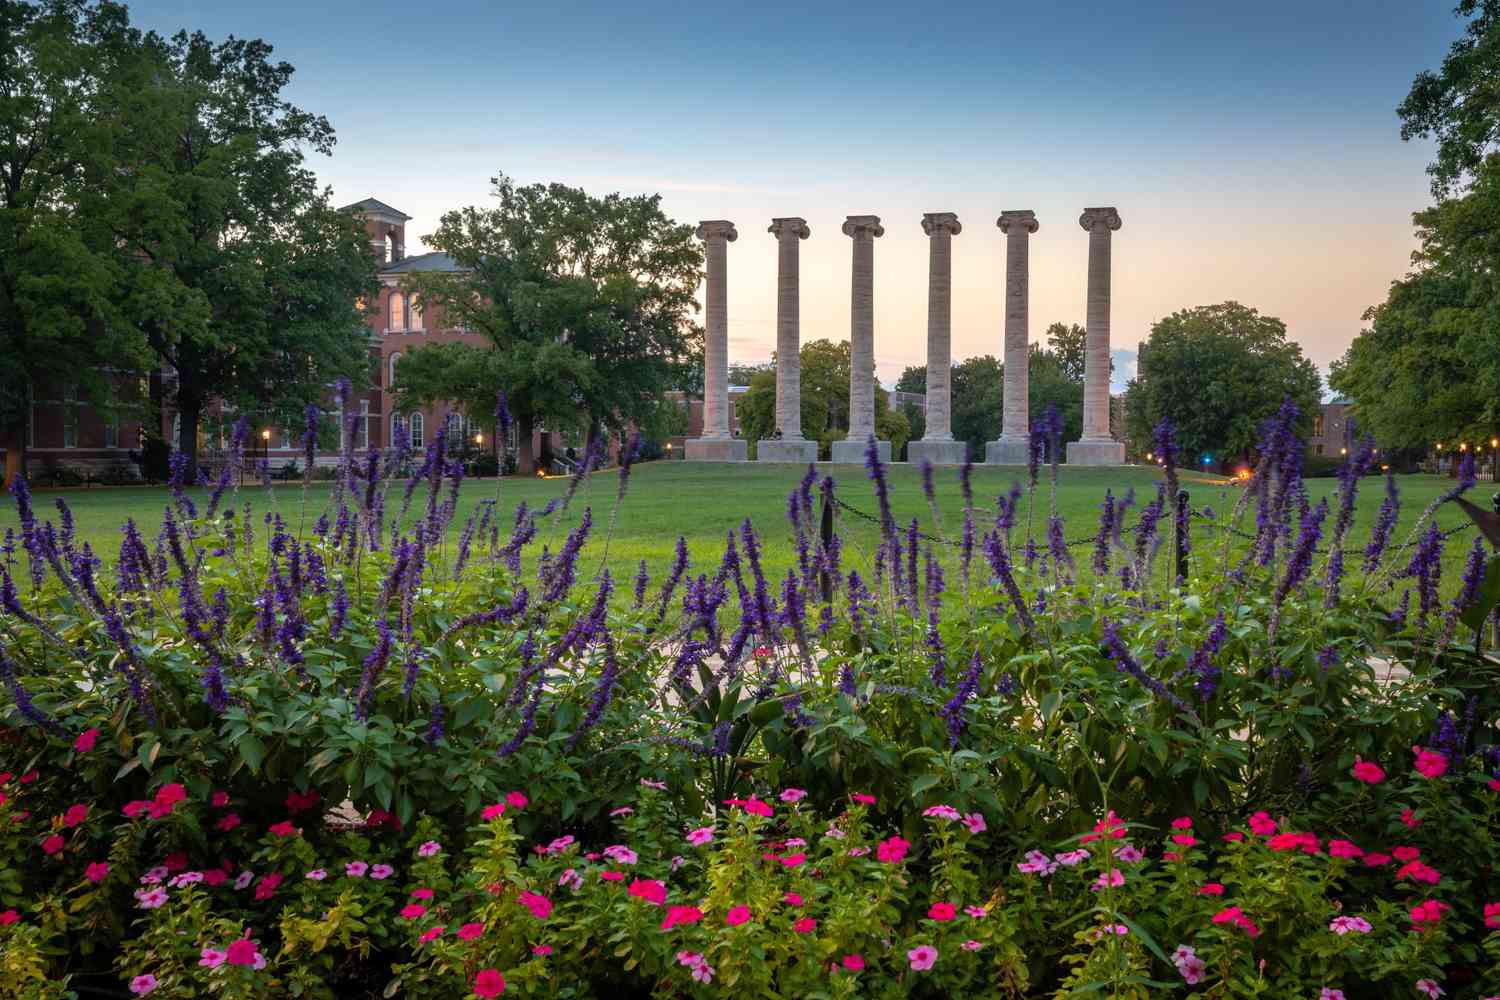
(1252, 150)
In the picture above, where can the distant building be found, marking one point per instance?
(1333, 429)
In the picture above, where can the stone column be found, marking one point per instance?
(1015, 430)
(1096, 447)
(937, 445)
(716, 444)
(862, 229)
(791, 447)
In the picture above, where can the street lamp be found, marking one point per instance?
(669, 451)
(479, 439)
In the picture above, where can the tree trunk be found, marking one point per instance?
(525, 455)
(190, 411)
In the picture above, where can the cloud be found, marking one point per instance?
(1125, 368)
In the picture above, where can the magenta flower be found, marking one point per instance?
(892, 850)
(971, 945)
(470, 932)
(1346, 925)
(317, 875)
(428, 849)
(922, 957)
(975, 822)
(700, 836)
(97, 871)
(539, 905)
(141, 985)
(381, 871)
(356, 869)
(790, 795)
(212, 958)
(1112, 879)
(737, 915)
(942, 812)
(431, 934)
(150, 899)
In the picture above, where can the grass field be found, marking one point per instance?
(703, 502)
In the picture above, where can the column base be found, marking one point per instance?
(716, 450)
(937, 452)
(1007, 451)
(1100, 451)
(798, 451)
(852, 452)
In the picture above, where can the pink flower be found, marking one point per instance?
(660, 786)
(428, 849)
(700, 836)
(150, 899)
(141, 985)
(1410, 818)
(1343, 849)
(1182, 823)
(212, 958)
(1368, 772)
(53, 844)
(559, 844)
(1407, 853)
(1234, 836)
(942, 812)
(1492, 916)
(1376, 860)
(539, 905)
(790, 795)
(516, 800)
(737, 915)
(1429, 988)
(792, 899)
(922, 957)
(215, 877)
(1233, 915)
(622, 811)
(431, 934)
(241, 951)
(1344, 925)
(681, 915)
(543, 950)
(854, 963)
(1184, 839)
(892, 850)
(284, 829)
(422, 894)
(97, 871)
(381, 872)
(244, 879)
(941, 912)
(493, 812)
(612, 876)
(412, 911)
(76, 814)
(9, 917)
(229, 822)
(752, 805)
(862, 799)
(977, 912)
(650, 890)
(793, 860)
(1129, 854)
(154, 875)
(1070, 858)
(971, 945)
(1419, 871)
(356, 869)
(1430, 764)
(266, 888)
(805, 925)
(1326, 993)
(317, 874)
(186, 878)
(219, 799)
(621, 854)
(1189, 965)
(1262, 825)
(1211, 889)
(489, 983)
(975, 822)
(1112, 879)
(571, 878)
(470, 932)
(86, 740)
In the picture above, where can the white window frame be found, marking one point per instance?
(416, 426)
(395, 311)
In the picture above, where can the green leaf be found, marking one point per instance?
(1145, 938)
(921, 783)
(252, 751)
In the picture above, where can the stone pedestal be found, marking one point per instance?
(795, 452)
(1095, 452)
(1005, 452)
(936, 452)
(716, 450)
(851, 452)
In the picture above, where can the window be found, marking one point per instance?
(1319, 449)
(391, 380)
(362, 429)
(112, 432)
(416, 430)
(396, 424)
(1318, 427)
(414, 316)
(70, 416)
(397, 305)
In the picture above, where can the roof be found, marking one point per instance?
(376, 207)
(421, 262)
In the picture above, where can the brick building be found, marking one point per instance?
(1333, 430)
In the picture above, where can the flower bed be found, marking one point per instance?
(342, 761)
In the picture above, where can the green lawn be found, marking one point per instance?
(703, 502)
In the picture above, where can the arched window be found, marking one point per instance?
(397, 306)
(397, 422)
(416, 430)
(414, 315)
(392, 373)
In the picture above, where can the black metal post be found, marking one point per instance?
(1180, 530)
(825, 531)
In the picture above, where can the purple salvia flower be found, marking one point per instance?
(374, 666)
(412, 667)
(310, 441)
(674, 577)
(340, 611)
(603, 692)
(503, 419)
(1057, 548)
(21, 490)
(928, 489)
(1385, 523)
(1164, 437)
(762, 615)
(435, 723)
(1468, 591)
(561, 572)
(1000, 562)
(1106, 532)
(10, 674)
(1350, 473)
(1202, 661)
(953, 711)
(1427, 567)
(1126, 663)
(465, 542)
(642, 581)
(1300, 560)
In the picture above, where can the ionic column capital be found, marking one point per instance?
(941, 222)
(1096, 218)
(865, 227)
(717, 229)
(1022, 220)
(787, 228)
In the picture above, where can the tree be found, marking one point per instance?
(1459, 106)
(242, 277)
(1426, 367)
(913, 379)
(741, 374)
(1052, 383)
(977, 401)
(64, 68)
(585, 303)
(825, 399)
(1218, 372)
(1068, 343)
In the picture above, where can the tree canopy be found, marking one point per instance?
(1218, 372)
(825, 399)
(1459, 105)
(586, 303)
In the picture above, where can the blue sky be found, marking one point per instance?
(1252, 151)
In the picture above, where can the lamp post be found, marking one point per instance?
(669, 451)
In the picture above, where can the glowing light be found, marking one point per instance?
(265, 435)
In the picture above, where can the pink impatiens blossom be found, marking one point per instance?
(681, 915)
(219, 799)
(543, 950)
(942, 912)
(86, 740)
(621, 854)
(860, 798)
(150, 899)
(1409, 817)
(1211, 889)
(154, 876)
(143, 984)
(1182, 823)
(621, 811)
(1129, 854)
(186, 878)
(75, 815)
(792, 899)
(488, 983)
(1419, 872)
(697, 964)
(790, 795)
(244, 879)
(1406, 853)
(1112, 879)
(470, 932)
(1430, 763)
(612, 876)
(971, 945)
(317, 874)
(1375, 859)
(516, 800)
(1189, 965)
(805, 925)
(1492, 916)
(97, 871)
(431, 934)
(1327, 993)
(892, 850)
(228, 822)
(284, 829)
(266, 887)
(793, 860)
(1184, 839)
(975, 822)
(977, 912)
(1346, 925)
(737, 915)
(428, 849)
(1069, 859)
(212, 958)
(1368, 772)
(494, 811)
(1427, 913)
(380, 872)
(1429, 988)
(53, 844)
(854, 963)
(571, 879)
(922, 957)
(413, 911)
(1343, 849)
(1262, 825)
(650, 890)
(1233, 915)
(660, 786)
(700, 836)
(356, 869)
(9, 917)
(942, 812)
(241, 951)
(752, 805)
